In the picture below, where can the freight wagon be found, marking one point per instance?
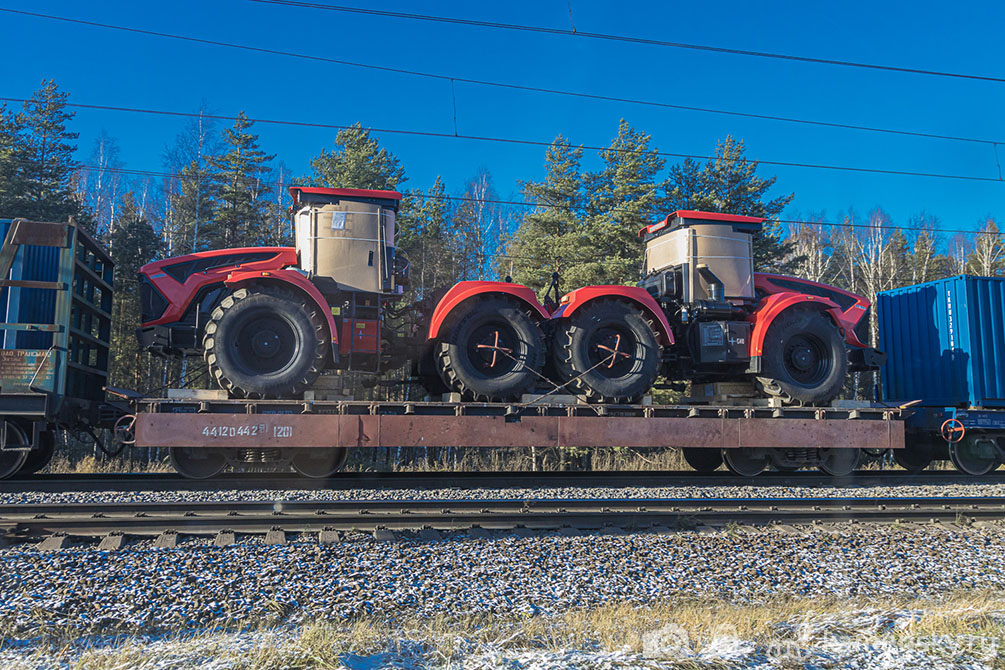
(56, 293)
(945, 341)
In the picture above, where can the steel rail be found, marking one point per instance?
(97, 482)
(26, 522)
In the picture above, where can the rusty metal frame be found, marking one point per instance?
(268, 424)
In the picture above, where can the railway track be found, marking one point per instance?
(25, 523)
(472, 480)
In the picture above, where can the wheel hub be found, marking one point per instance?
(491, 349)
(803, 358)
(265, 343)
(611, 352)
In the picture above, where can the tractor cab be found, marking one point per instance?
(346, 236)
(699, 266)
(700, 256)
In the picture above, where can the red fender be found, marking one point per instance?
(576, 299)
(464, 290)
(290, 278)
(846, 318)
(773, 305)
(180, 295)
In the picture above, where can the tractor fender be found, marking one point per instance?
(465, 290)
(574, 300)
(771, 307)
(290, 279)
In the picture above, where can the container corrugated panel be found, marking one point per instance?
(30, 305)
(945, 342)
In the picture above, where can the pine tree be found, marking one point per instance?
(621, 198)
(12, 160)
(239, 218)
(729, 183)
(358, 161)
(193, 201)
(554, 230)
(587, 227)
(45, 186)
(132, 243)
(422, 231)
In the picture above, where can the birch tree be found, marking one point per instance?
(100, 182)
(988, 255)
(812, 248)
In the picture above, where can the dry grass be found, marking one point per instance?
(474, 459)
(471, 459)
(62, 464)
(614, 628)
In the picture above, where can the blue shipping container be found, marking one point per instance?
(945, 342)
(29, 305)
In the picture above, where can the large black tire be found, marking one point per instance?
(607, 351)
(424, 368)
(804, 359)
(264, 342)
(493, 351)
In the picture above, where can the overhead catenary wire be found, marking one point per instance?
(517, 141)
(629, 39)
(423, 195)
(521, 87)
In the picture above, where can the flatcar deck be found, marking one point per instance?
(291, 423)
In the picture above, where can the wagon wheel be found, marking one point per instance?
(318, 463)
(702, 460)
(197, 463)
(975, 455)
(746, 461)
(839, 462)
(14, 447)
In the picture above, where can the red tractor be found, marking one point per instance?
(269, 321)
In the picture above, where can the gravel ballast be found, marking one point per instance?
(540, 493)
(196, 586)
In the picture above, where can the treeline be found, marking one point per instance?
(218, 187)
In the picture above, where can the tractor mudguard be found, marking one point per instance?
(574, 300)
(465, 290)
(179, 279)
(772, 307)
(846, 308)
(291, 279)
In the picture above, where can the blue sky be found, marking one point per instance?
(98, 66)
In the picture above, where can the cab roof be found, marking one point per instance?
(349, 193)
(700, 216)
